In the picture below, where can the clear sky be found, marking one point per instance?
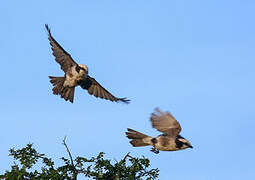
(193, 58)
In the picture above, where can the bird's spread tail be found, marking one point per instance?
(66, 92)
(138, 139)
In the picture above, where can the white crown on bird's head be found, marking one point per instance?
(84, 67)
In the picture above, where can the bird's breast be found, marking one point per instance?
(165, 143)
(72, 77)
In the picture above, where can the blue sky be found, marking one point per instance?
(193, 58)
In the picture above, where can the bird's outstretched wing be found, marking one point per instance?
(94, 88)
(62, 57)
(165, 122)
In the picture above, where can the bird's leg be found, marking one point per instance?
(155, 150)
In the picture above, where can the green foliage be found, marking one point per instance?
(129, 168)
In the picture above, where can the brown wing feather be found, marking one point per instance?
(165, 122)
(62, 57)
(94, 88)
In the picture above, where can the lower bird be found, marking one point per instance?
(170, 140)
(75, 75)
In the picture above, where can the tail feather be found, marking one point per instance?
(57, 80)
(138, 139)
(68, 93)
(71, 94)
(65, 92)
(132, 134)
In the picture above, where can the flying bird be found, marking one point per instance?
(170, 140)
(75, 75)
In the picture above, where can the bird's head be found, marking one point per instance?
(84, 68)
(183, 143)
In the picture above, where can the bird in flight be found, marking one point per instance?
(75, 75)
(170, 140)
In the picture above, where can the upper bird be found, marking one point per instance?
(170, 140)
(75, 75)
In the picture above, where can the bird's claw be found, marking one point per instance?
(156, 151)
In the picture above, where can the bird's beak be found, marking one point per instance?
(190, 146)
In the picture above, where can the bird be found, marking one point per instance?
(170, 140)
(75, 75)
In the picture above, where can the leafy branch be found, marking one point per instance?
(129, 168)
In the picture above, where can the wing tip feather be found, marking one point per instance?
(47, 28)
(124, 100)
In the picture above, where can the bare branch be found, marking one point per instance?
(127, 156)
(75, 173)
(70, 155)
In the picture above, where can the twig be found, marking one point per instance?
(70, 155)
(127, 155)
(75, 173)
